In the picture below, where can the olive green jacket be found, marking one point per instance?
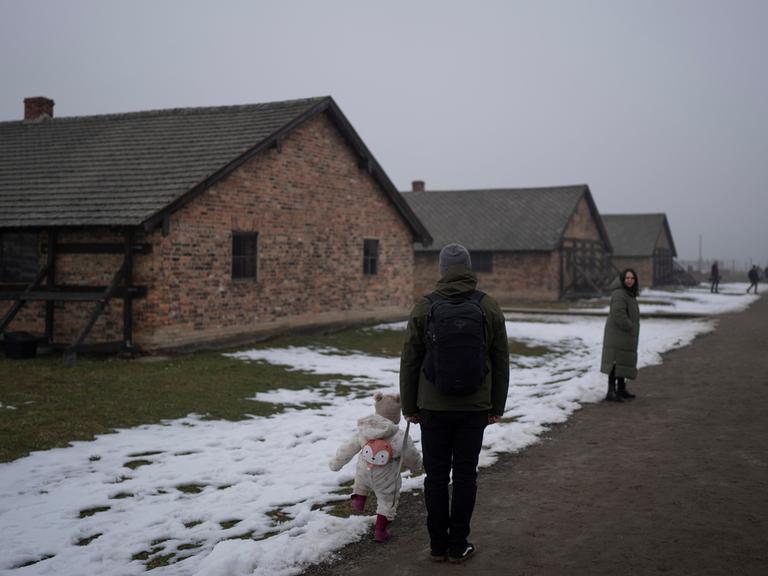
(622, 330)
(416, 392)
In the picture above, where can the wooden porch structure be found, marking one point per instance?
(45, 289)
(585, 268)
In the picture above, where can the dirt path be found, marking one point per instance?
(675, 482)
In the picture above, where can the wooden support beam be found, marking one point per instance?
(69, 293)
(50, 281)
(98, 248)
(71, 352)
(21, 300)
(166, 225)
(128, 300)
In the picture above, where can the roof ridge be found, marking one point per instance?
(176, 111)
(633, 214)
(522, 189)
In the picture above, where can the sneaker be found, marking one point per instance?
(458, 555)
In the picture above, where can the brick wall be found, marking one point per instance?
(312, 207)
(582, 225)
(515, 276)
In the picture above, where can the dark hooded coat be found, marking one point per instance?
(622, 330)
(417, 392)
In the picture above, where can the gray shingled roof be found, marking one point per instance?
(121, 169)
(124, 169)
(636, 234)
(513, 219)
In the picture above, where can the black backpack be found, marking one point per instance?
(455, 338)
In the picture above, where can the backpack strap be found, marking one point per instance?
(433, 297)
(476, 296)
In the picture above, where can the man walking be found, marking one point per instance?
(753, 276)
(715, 278)
(454, 376)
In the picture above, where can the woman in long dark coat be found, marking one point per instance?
(622, 329)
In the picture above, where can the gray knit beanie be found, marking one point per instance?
(454, 255)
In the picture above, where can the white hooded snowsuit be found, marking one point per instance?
(384, 480)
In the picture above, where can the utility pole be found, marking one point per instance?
(700, 266)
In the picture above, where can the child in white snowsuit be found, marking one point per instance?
(379, 441)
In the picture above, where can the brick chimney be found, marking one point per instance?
(417, 186)
(38, 107)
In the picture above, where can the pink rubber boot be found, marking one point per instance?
(358, 502)
(380, 532)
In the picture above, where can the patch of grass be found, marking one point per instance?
(133, 464)
(340, 510)
(278, 516)
(191, 488)
(246, 536)
(189, 546)
(352, 390)
(145, 554)
(121, 495)
(262, 537)
(347, 341)
(343, 491)
(145, 454)
(33, 562)
(160, 560)
(91, 511)
(58, 405)
(227, 524)
(345, 488)
(192, 524)
(87, 540)
(517, 348)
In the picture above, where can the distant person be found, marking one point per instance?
(454, 375)
(622, 331)
(714, 277)
(754, 277)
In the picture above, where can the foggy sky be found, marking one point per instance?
(658, 105)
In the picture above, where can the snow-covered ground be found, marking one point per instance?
(252, 497)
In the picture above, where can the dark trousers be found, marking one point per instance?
(754, 283)
(451, 443)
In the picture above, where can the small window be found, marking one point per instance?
(370, 257)
(244, 255)
(482, 261)
(18, 257)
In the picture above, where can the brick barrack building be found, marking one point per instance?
(643, 242)
(525, 243)
(180, 227)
